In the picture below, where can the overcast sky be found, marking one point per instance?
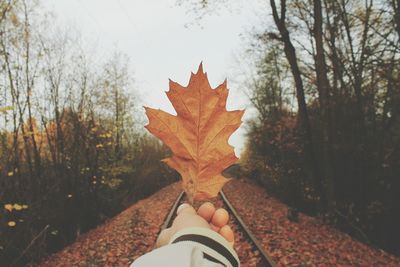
(156, 36)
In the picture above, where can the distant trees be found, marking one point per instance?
(346, 46)
(71, 152)
(116, 98)
(337, 151)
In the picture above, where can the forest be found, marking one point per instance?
(325, 137)
(71, 154)
(338, 154)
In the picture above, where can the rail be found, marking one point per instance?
(265, 258)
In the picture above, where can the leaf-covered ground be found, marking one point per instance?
(307, 243)
(121, 240)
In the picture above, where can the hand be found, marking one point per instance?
(206, 216)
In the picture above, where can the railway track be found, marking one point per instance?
(249, 249)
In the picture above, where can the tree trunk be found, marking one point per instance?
(305, 126)
(396, 8)
(36, 154)
(323, 90)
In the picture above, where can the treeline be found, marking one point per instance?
(71, 150)
(327, 93)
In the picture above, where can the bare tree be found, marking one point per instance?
(325, 106)
(290, 52)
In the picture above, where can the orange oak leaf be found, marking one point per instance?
(198, 135)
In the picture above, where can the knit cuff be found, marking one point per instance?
(215, 248)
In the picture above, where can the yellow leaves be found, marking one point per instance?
(54, 232)
(85, 170)
(198, 135)
(112, 183)
(102, 145)
(5, 109)
(30, 133)
(16, 206)
(106, 135)
(9, 207)
(106, 140)
(14, 19)
(11, 173)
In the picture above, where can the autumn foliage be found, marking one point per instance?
(71, 155)
(198, 135)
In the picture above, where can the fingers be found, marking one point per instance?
(220, 218)
(206, 211)
(206, 216)
(227, 233)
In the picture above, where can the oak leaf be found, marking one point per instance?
(198, 135)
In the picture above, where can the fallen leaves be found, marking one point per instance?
(122, 239)
(16, 206)
(307, 243)
(198, 135)
(9, 207)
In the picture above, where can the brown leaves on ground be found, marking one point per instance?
(306, 243)
(198, 135)
(124, 238)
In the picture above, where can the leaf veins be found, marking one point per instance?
(198, 135)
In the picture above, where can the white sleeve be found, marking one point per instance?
(192, 247)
